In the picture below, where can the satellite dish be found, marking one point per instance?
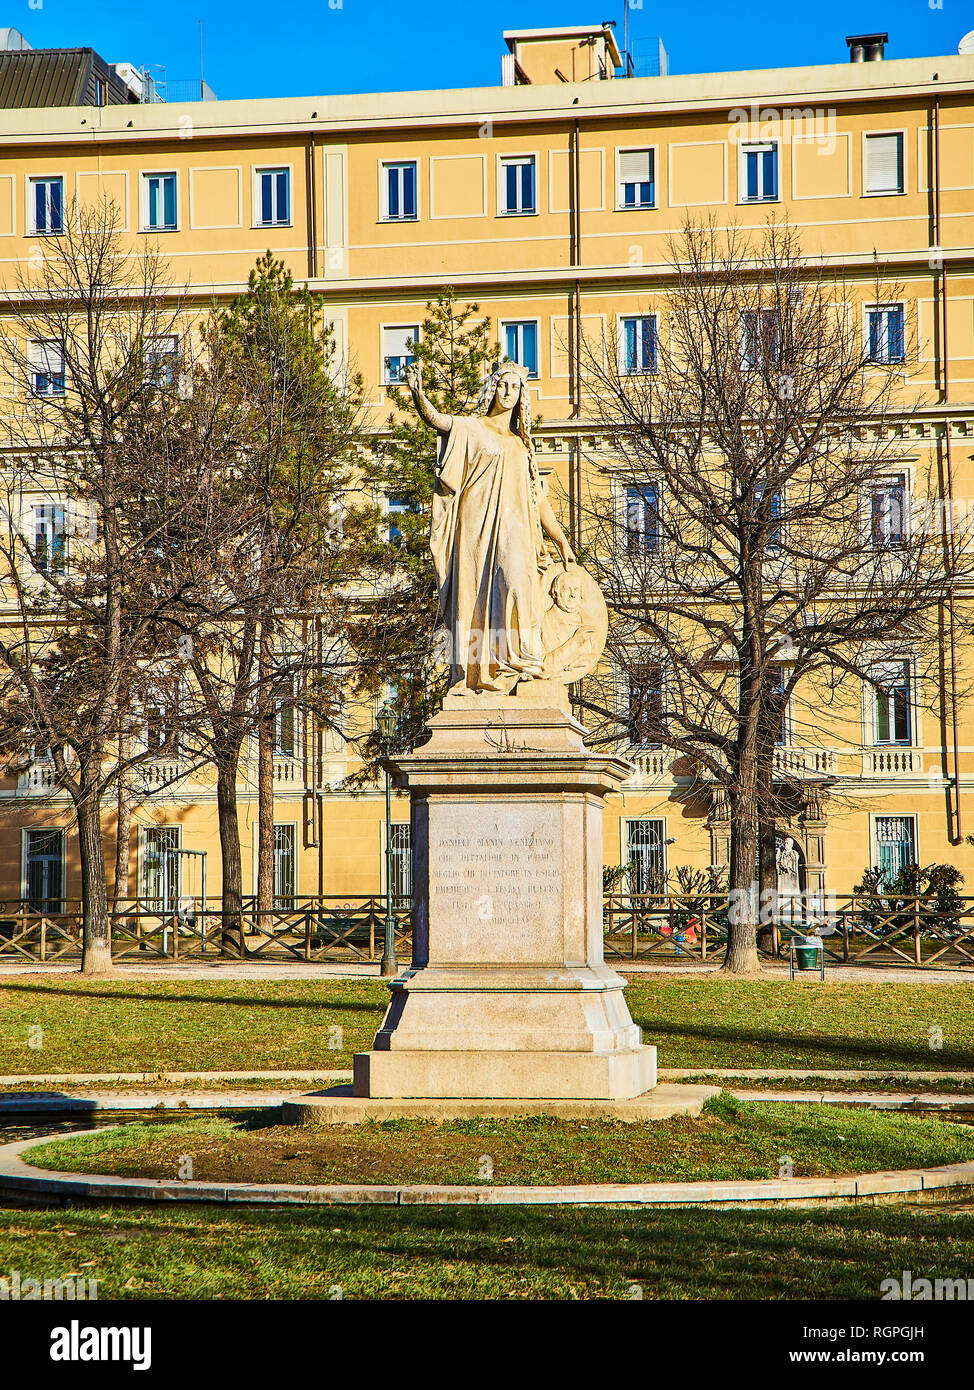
(966, 44)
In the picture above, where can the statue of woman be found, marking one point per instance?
(487, 527)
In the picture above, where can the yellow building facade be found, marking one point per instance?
(551, 203)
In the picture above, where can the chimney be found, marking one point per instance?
(867, 48)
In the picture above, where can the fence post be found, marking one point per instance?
(307, 934)
(43, 939)
(371, 928)
(845, 937)
(917, 955)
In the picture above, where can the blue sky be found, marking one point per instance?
(311, 47)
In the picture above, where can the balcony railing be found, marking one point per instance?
(800, 762)
(892, 762)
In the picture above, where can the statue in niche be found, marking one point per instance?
(512, 614)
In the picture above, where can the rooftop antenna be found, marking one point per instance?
(201, 60)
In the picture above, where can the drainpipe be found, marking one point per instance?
(940, 275)
(312, 209)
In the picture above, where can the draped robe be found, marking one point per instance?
(486, 541)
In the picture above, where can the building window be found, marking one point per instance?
(44, 870)
(160, 868)
(396, 507)
(99, 91)
(642, 519)
(646, 856)
(402, 863)
(160, 727)
(895, 846)
(884, 163)
(639, 345)
(779, 705)
(285, 741)
(50, 540)
(775, 532)
(274, 197)
(637, 179)
(887, 512)
(46, 369)
(760, 173)
(399, 192)
(886, 336)
(760, 338)
(644, 712)
(160, 358)
(159, 202)
(521, 344)
(517, 185)
(285, 879)
(397, 351)
(892, 703)
(46, 205)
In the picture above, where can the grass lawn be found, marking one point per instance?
(142, 1025)
(731, 1140)
(479, 1253)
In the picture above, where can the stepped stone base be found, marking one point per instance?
(340, 1107)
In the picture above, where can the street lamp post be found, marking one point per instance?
(387, 728)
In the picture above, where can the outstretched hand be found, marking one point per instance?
(414, 377)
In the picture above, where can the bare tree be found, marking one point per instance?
(81, 633)
(751, 526)
(259, 449)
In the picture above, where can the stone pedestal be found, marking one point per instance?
(507, 995)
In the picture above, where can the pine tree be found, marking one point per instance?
(394, 635)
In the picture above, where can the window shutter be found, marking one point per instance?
(634, 166)
(884, 163)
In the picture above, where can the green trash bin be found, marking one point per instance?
(806, 957)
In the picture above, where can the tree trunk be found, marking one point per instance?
(232, 898)
(96, 948)
(742, 955)
(265, 783)
(123, 826)
(767, 850)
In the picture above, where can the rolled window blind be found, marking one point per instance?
(884, 163)
(635, 166)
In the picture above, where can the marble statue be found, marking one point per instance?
(512, 613)
(789, 883)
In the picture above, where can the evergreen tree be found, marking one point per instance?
(394, 634)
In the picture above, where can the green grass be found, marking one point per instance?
(481, 1253)
(730, 1141)
(145, 1025)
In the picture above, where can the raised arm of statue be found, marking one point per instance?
(424, 408)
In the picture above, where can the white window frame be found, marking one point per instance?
(142, 865)
(384, 166)
(504, 324)
(621, 321)
(874, 308)
(871, 694)
(759, 362)
(150, 355)
(503, 160)
(624, 704)
(258, 170)
(868, 192)
(30, 203)
(24, 836)
(34, 348)
(146, 175)
(875, 816)
(34, 507)
(623, 486)
(412, 331)
(759, 147)
(624, 823)
(653, 151)
(867, 509)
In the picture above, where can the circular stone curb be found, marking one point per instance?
(19, 1179)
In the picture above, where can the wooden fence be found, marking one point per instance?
(870, 930)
